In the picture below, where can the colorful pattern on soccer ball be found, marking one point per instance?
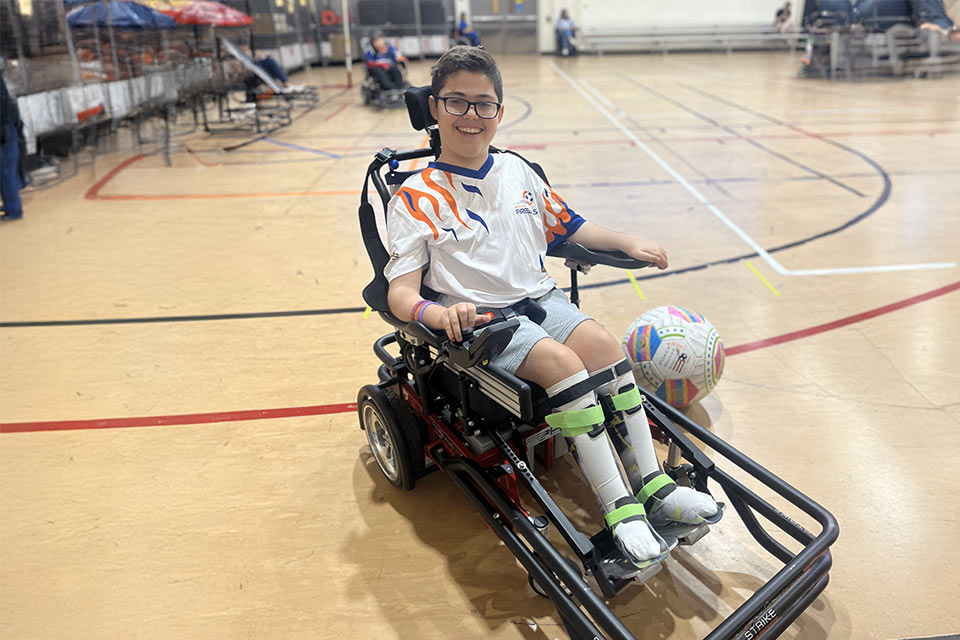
(676, 354)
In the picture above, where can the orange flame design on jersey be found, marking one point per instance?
(411, 198)
(428, 180)
(562, 215)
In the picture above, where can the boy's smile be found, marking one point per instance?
(466, 139)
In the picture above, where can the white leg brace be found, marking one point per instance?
(637, 453)
(597, 460)
(673, 503)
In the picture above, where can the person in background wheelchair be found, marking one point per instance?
(383, 63)
(466, 32)
(566, 29)
(483, 223)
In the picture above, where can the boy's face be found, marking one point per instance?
(379, 44)
(466, 139)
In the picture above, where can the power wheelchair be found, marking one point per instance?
(441, 405)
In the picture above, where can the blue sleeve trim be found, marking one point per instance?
(571, 228)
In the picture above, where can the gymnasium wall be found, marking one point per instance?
(646, 14)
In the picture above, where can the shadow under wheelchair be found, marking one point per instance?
(685, 595)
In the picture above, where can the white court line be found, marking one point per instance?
(750, 242)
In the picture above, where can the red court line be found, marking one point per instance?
(324, 409)
(339, 109)
(195, 418)
(842, 322)
(218, 196)
(93, 193)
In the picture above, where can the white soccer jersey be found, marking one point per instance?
(483, 233)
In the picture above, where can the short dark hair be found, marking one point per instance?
(465, 58)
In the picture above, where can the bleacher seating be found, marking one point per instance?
(666, 39)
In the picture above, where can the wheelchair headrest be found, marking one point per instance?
(419, 107)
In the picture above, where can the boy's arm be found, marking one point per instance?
(593, 236)
(404, 294)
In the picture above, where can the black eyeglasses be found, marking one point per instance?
(459, 107)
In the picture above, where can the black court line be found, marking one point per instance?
(197, 318)
(528, 109)
(879, 202)
(707, 180)
(747, 139)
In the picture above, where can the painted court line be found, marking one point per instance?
(269, 414)
(750, 242)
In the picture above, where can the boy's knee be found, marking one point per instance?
(596, 346)
(549, 362)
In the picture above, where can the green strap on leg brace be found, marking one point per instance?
(648, 490)
(626, 512)
(627, 400)
(576, 422)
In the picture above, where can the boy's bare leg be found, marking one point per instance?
(599, 350)
(557, 369)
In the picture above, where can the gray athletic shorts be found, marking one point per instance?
(562, 318)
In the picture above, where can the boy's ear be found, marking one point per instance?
(500, 115)
(433, 107)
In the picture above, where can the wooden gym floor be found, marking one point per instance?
(202, 476)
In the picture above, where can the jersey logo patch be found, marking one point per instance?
(526, 206)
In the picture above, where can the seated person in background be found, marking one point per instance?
(382, 61)
(468, 33)
(502, 219)
(566, 29)
(782, 20)
(932, 15)
(273, 69)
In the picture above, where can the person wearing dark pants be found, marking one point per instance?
(273, 68)
(383, 63)
(11, 165)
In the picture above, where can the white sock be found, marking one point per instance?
(685, 505)
(598, 463)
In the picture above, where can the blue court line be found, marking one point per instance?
(290, 145)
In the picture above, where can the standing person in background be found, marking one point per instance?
(12, 178)
(467, 32)
(782, 19)
(383, 61)
(566, 29)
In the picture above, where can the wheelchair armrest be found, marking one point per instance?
(579, 253)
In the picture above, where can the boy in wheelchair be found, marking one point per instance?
(482, 224)
(385, 82)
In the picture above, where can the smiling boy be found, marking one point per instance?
(483, 223)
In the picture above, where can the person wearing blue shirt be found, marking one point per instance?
(465, 30)
(566, 29)
(382, 63)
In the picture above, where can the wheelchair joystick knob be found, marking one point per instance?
(394, 164)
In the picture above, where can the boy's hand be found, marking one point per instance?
(456, 319)
(648, 251)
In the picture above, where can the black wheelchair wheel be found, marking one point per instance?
(393, 433)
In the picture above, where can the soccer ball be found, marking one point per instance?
(676, 354)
